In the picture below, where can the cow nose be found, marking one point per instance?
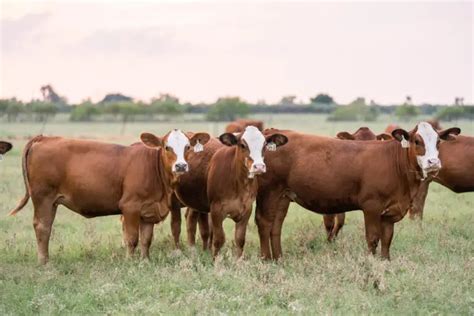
(181, 167)
(259, 168)
(433, 162)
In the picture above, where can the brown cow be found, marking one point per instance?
(239, 126)
(5, 147)
(99, 179)
(232, 185)
(328, 175)
(457, 159)
(334, 222)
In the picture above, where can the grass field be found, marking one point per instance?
(431, 272)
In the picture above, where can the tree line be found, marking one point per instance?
(120, 108)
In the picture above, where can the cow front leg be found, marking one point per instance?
(218, 235)
(131, 222)
(387, 235)
(282, 210)
(329, 221)
(204, 230)
(175, 223)
(240, 232)
(372, 230)
(146, 237)
(43, 218)
(191, 225)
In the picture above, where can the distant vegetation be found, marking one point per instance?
(121, 108)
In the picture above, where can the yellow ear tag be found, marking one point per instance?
(198, 147)
(271, 146)
(405, 143)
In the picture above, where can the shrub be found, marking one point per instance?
(228, 109)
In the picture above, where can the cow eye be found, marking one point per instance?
(187, 147)
(417, 142)
(168, 148)
(242, 146)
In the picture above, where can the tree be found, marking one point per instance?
(84, 112)
(322, 98)
(407, 111)
(288, 100)
(167, 105)
(357, 110)
(228, 109)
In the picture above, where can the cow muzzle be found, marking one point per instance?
(257, 169)
(180, 168)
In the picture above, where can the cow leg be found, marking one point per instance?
(240, 231)
(191, 225)
(218, 237)
(204, 229)
(175, 223)
(416, 210)
(131, 223)
(372, 230)
(387, 235)
(282, 210)
(146, 237)
(329, 221)
(340, 219)
(43, 218)
(264, 225)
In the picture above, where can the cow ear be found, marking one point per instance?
(5, 147)
(277, 139)
(345, 135)
(384, 136)
(228, 139)
(447, 134)
(151, 140)
(400, 134)
(203, 138)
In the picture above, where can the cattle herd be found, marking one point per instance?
(386, 176)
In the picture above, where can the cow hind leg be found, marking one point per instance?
(43, 218)
(191, 225)
(146, 237)
(204, 230)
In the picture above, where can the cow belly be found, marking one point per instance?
(323, 205)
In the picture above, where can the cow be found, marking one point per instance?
(457, 159)
(334, 222)
(232, 181)
(99, 179)
(331, 176)
(5, 147)
(239, 126)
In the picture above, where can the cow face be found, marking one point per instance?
(423, 143)
(5, 147)
(176, 147)
(251, 145)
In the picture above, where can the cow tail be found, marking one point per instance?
(24, 166)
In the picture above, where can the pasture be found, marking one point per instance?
(431, 272)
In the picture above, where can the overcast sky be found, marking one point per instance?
(200, 51)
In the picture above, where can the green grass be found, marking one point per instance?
(431, 271)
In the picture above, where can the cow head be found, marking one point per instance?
(176, 146)
(363, 133)
(5, 147)
(251, 145)
(423, 143)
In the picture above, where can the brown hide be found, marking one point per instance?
(239, 126)
(329, 175)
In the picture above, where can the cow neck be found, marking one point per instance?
(163, 176)
(240, 171)
(407, 170)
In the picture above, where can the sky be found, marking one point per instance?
(261, 50)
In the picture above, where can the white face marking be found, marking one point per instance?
(178, 142)
(430, 160)
(255, 141)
